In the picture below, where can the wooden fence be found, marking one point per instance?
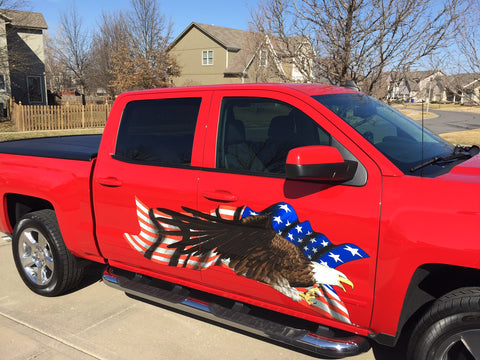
(41, 117)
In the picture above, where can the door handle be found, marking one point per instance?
(109, 182)
(220, 195)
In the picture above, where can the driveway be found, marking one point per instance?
(98, 322)
(451, 121)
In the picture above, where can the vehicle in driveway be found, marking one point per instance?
(313, 215)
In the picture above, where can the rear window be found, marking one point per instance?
(158, 132)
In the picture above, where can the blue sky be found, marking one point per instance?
(228, 13)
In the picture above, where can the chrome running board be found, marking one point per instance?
(237, 315)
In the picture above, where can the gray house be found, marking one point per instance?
(22, 59)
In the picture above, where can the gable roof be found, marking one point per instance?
(463, 81)
(230, 39)
(24, 19)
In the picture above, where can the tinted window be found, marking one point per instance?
(158, 132)
(256, 134)
(398, 137)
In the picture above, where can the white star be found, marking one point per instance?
(298, 228)
(253, 212)
(324, 243)
(323, 263)
(314, 250)
(335, 257)
(288, 223)
(313, 241)
(305, 248)
(309, 233)
(285, 208)
(277, 219)
(290, 236)
(353, 251)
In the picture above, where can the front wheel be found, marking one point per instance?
(450, 330)
(43, 261)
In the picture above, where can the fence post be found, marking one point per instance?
(83, 115)
(21, 116)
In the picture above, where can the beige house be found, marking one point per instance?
(209, 54)
(22, 59)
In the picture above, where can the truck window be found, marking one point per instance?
(256, 134)
(158, 132)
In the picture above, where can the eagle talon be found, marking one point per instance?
(309, 295)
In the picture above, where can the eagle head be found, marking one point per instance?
(329, 276)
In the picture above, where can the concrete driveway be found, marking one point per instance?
(98, 322)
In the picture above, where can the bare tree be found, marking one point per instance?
(73, 47)
(142, 60)
(15, 4)
(360, 39)
(57, 75)
(468, 42)
(107, 41)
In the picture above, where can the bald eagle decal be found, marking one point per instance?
(271, 246)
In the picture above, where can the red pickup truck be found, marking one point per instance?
(313, 215)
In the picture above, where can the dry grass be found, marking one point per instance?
(467, 137)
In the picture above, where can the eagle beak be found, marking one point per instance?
(344, 280)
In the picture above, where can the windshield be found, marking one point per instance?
(395, 135)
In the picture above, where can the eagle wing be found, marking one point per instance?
(250, 245)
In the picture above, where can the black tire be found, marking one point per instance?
(43, 261)
(450, 329)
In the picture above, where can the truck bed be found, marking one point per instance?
(78, 147)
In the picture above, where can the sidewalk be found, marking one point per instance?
(98, 322)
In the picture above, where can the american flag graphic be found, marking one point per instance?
(155, 248)
(315, 246)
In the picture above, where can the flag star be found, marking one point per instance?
(290, 236)
(324, 243)
(314, 250)
(253, 212)
(298, 228)
(309, 257)
(288, 223)
(305, 248)
(309, 233)
(323, 263)
(277, 219)
(353, 251)
(285, 208)
(313, 241)
(335, 257)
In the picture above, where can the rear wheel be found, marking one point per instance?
(450, 329)
(43, 261)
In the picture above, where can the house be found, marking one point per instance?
(416, 86)
(22, 60)
(209, 54)
(463, 88)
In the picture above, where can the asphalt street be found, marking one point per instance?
(451, 121)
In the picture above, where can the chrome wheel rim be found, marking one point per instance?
(465, 344)
(36, 256)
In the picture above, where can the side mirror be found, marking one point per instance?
(319, 163)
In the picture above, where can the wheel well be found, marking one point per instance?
(429, 282)
(19, 205)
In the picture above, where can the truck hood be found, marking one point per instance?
(467, 171)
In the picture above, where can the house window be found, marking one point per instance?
(207, 57)
(263, 57)
(3, 85)
(34, 84)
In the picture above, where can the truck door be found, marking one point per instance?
(152, 164)
(335, 226)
